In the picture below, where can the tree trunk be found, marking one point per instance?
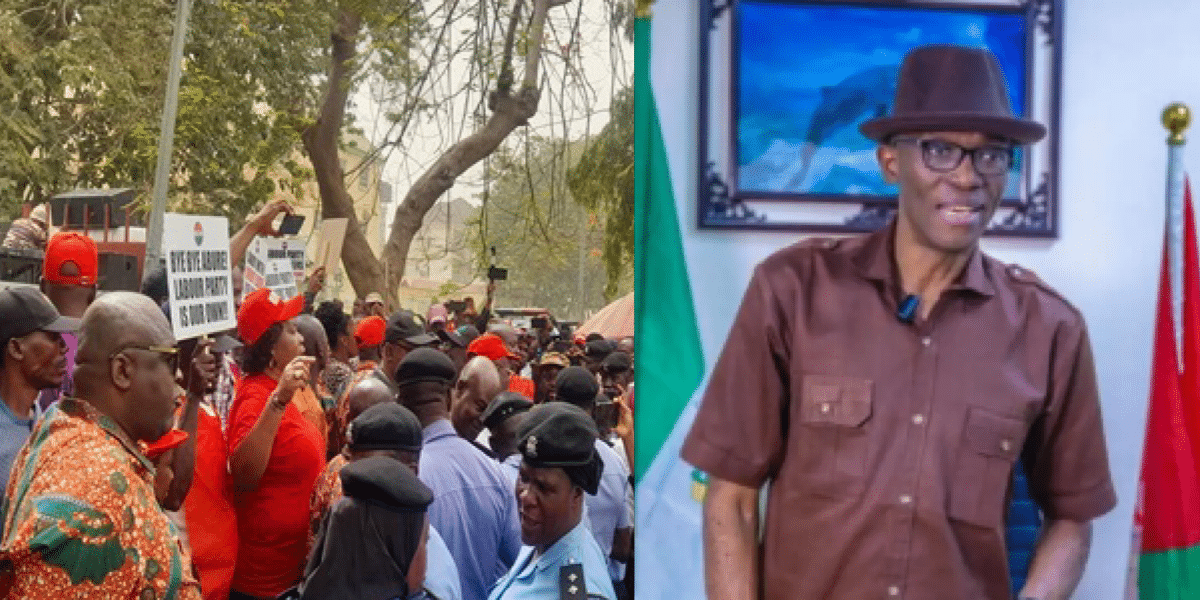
(509, 111)
(321, 143)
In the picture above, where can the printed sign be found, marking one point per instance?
(201, 292)
(274, 263)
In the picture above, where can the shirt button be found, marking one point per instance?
(926, 341)
(905, 499)
(1005, 445)
(894, 591)
(918, 419)
(825, 408)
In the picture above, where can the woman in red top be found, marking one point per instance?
(276, 454)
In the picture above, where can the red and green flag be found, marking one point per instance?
(1168, 512)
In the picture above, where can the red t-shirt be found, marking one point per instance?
(273, 519)
(208, 509)
(522, 386)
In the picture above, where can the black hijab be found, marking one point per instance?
(367, 543)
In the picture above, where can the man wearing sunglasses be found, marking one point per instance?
(886, 385)
(81, 517)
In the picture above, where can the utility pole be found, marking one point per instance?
(166, 136)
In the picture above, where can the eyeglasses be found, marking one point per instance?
(169, 354)
(941, 156)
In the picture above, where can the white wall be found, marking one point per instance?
(1123, 62)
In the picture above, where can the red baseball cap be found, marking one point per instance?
(491, 346)
(369, 331)
(261, 309)
(71, 247)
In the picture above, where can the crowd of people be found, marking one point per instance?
(312, 452)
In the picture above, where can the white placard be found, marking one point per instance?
(201, 292)
(266, 261)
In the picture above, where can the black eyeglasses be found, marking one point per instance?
(942, 157)
(169, 354)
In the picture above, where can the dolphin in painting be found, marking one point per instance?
(869, 92)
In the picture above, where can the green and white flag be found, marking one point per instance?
(670, 358)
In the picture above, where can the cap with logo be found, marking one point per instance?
(261, 309)
(562, 435)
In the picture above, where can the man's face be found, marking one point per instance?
(945, 212)
(503, 438)
(550, 504)
(152, 390)
(504, 368)
(468, 401)
(376, 308)
(43, 358)
(546, 381)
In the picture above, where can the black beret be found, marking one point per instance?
(576, 385)
(598, 348)
(385, 481)
(385, 426)
(561, 435)
(425, 364)
(557, 434)
(617, 361)
(503, 406)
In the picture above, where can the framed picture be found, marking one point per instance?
(784, 85)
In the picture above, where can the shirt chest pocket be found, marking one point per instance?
(991, 444)
(829, 442)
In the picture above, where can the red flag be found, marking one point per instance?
(1169, 500)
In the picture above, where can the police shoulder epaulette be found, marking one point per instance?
(570, 582)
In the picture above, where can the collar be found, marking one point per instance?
(82, 409)
(566, 550)
(438, 429)
(873, 256)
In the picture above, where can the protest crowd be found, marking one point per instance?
(315, 450)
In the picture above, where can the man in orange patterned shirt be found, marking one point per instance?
(80, 516)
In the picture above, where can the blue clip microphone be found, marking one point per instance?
(907, 312)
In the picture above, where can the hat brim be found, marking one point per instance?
(62, 325)
(290, 308)
(421, 340)
(1023, 131)
(452, 337)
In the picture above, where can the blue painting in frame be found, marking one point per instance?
(787, 82)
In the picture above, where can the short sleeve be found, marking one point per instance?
(738, 433)
(1065, 456)
(248, 404)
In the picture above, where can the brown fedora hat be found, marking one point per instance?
(952, 88)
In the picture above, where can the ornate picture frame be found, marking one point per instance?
(785, 83)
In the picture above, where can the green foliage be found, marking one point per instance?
(602, 182)
(82, 86)
(550, 243)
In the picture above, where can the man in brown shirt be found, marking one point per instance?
(886, 385)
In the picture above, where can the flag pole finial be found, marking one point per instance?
(1176, 118)
(643, 8)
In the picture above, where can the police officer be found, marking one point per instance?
(560, 559)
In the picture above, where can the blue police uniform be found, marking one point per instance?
(571, 568)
